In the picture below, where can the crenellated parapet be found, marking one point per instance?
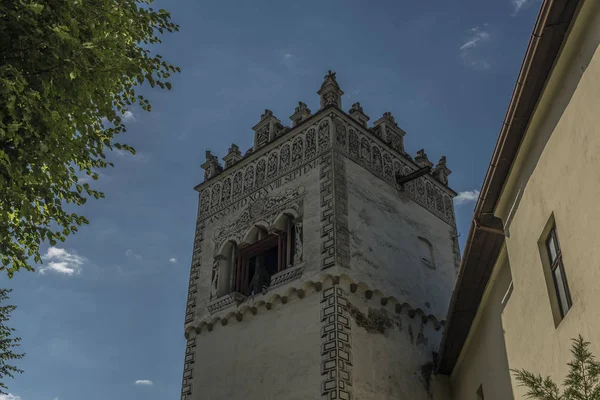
(387, 130)
(233, 156)
(301, 113)
(278, 150)
(422, 160)
(212, 167)
(266, 130)
(359, 115)
(441, 171)
(330, 92)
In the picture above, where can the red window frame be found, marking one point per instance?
(279, 240)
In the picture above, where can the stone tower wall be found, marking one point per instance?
(384, 230)
(360, 315)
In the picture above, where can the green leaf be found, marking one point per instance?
(36, 8)
(79, 66)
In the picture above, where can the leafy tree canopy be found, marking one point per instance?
(69, 71)
(7, 343)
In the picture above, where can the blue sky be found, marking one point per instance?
(107, 311)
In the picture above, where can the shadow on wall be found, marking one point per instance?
(553, 115)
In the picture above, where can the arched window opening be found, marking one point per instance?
(224, 271)
(267, 253)
(426, 252)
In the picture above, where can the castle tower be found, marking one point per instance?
(323, 263)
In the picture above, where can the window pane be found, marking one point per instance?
(561, 288)
(551, 248)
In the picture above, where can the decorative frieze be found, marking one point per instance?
(226, 301)
(384, 164)
(264, 208)
(336, 348)
(286, 276)
(276, 167)
(280, 164)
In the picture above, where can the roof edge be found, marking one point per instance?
(546, 41)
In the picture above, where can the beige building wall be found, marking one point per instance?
(556, 176)
(483, 362)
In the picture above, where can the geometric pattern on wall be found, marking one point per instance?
(194, 270)
(188, 369)
(190, 311)
(336, 347)
(327, 212)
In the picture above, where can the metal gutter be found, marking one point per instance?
(486, 232)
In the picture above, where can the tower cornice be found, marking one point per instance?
(308, 121)
(402, 155)
(270, 146)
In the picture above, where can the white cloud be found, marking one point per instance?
(145, 382)
(520, 4)
(84, 178)
(139, 157)
(129, 253)
(62, 262)
(467, 196)
(173, 260)
(468, 50)
(291, 62)
(477, 37)
(128, 116)
(9, 396)
(352, 93)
